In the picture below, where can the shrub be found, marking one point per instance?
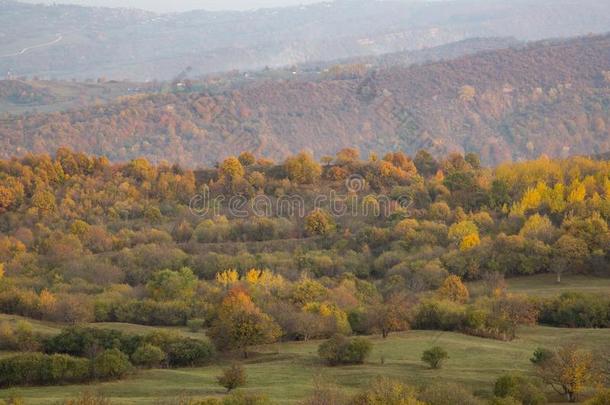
(601, 398)
(385, 391)
(541, 355)
(195, 325)
(146, 312)
(435, 357)
(341, 350)
(447, 394)
(189, 352)
(577, 310)
(439, 315)
(42, 369)
(519, 388)
(241, 398)
(232, 377)
(82, 342)
(111, 364)
(148, 356)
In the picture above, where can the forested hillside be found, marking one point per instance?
(547, 98)
(254, 252)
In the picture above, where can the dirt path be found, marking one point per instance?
(59, 38)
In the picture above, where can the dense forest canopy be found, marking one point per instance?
(79, 226)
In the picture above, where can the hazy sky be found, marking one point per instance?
(182, 5)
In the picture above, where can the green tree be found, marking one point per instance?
(435, 357)
(171, 285)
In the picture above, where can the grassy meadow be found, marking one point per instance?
(286, 371)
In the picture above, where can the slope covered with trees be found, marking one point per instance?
(549, 97)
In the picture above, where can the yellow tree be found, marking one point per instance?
(453, 289)
(568, 371)
(319, 222)
(302, 168)
(240, 323)
(227, 278)
(469, 242)
(231, 169)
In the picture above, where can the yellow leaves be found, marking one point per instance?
(253, 276)
(463, 229)
(43, 200)
(328, 310)
(578, 192)
(302, 168)
(227, 277)
(48, 301)
(454, 290)
(319, 222)
(530, 201)
(231, 169)
(386, 169)
(467, 93)
(1, 271)
(469, 242)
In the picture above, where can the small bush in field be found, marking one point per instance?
(342, 350)
(233, 377)
(434, 357)
(148, 356)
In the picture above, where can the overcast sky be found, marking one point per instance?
(182, 5)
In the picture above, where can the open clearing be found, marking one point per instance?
(545, 285)
(286, 371)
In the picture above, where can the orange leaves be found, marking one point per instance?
(453, 289)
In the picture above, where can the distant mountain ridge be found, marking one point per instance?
(550, 97)
(138, 45)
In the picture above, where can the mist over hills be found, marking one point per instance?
(85, 42)
(549, 97)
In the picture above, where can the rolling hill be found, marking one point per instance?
(549, 97)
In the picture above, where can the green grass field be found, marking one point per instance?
(545, 285)
(286, 371)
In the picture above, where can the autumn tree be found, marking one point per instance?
(454, 290)
(568, 371)
(240, 323)
(320, 223)
(390, 316)
(303, 169)
(247, 159)
(231, 169)
(232, 377)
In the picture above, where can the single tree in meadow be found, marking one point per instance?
(232, 377)
(435, 357)
(569, 370)
(240, 323)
